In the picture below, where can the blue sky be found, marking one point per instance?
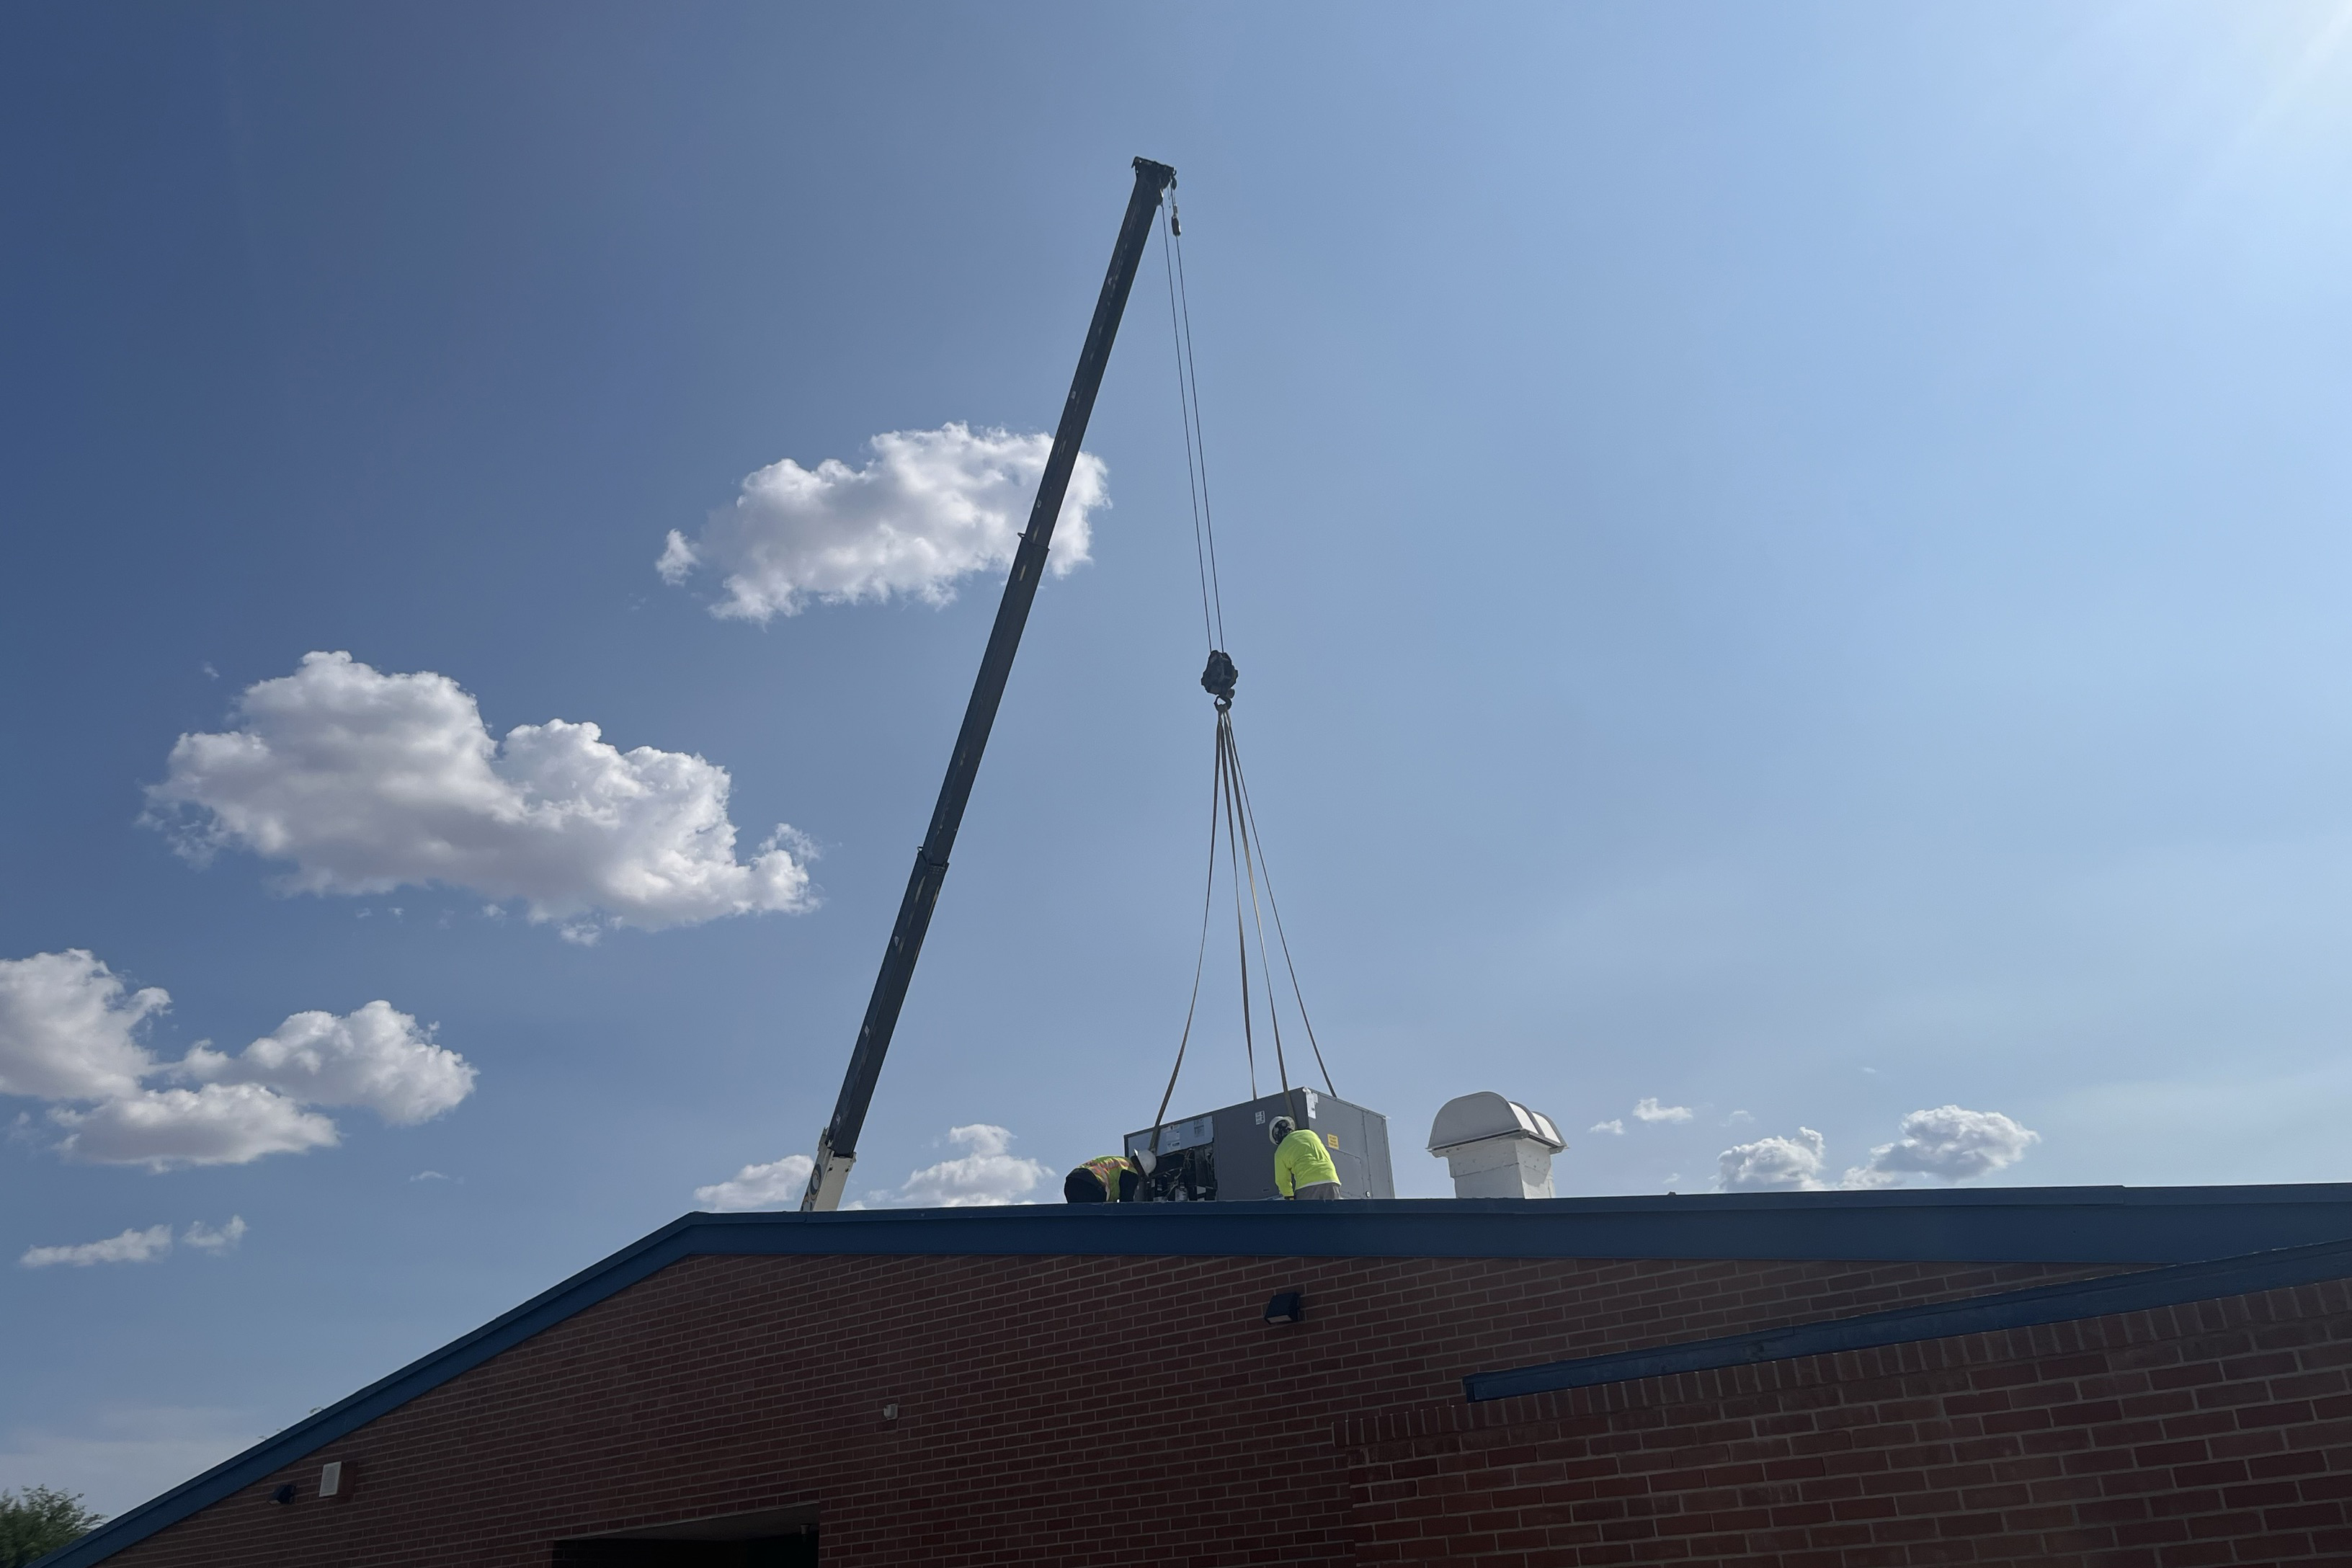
(1787, 563)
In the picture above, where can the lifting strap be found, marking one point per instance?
(1229, 795)
(1230, 812)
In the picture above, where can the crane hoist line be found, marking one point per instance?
(1230, 812)
(836, 1149)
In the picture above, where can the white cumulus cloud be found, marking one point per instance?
(929, 509)
(377, 1057)
(1615, 1124)
(138, 1245)
(66, 1027)
(986, 1174)
(1947, 1143)
(1649, 1110)
(364, 782)
(219, 1124)
(130, 1247)
(775, 1186)
(67, 1035)
(204, 1238)
(1771, 1162)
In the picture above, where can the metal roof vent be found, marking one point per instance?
(1497, 1148)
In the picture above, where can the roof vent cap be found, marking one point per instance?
(1495, 1148)
(1475, 1118)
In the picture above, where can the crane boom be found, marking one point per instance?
(836, 1149)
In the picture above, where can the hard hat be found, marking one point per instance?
(1145, 1161)
(1280, 1127)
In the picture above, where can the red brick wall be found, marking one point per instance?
(1071, 1411)
(2218, 1433)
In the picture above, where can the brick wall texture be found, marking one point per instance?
(1138, 1411)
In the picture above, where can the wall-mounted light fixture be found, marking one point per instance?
(1287, 1307)
(283, 1495)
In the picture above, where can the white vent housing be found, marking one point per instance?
(1495, 1148)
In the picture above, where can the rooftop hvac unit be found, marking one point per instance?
(1225, 1155)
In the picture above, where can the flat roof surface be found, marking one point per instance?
(1996, 1225)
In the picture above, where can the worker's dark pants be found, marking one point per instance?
(1318, 1190)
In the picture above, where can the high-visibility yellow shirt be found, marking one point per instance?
(1108, 1168)
(1301, 1161)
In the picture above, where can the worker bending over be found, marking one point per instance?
(1302, 1166)
(1109, 1179)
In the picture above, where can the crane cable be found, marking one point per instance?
(1188, 403)
(1245, 847)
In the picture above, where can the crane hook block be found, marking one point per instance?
(1218, 680)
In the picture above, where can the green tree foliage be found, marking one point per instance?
(38, 1521)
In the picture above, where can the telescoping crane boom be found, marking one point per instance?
(836, 1150)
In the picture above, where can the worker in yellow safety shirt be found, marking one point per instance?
(1109, 1179)
(1302, 1166)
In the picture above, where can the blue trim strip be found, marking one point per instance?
(2137, 1292)
(2017, 1225)
(2012, 1225)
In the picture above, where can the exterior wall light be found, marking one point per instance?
(283, 1495)
(1287, 1307)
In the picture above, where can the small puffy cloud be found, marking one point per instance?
(130, 1247)
(364, 782)
(219, 1124)
(929, 507)
(139, 1246)
(1947, 1143)
(1738, 1119)
(66, 1027)
(204, 1238)
(67, 1035)
(1651, 1111)
(1772, 1163)
(775, 1186)
(1615, 1125)
(377, 1057)
(986, 1174)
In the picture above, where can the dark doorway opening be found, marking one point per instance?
(772, 1552)
(774, 1537)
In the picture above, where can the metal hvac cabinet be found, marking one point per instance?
(1225, 1155)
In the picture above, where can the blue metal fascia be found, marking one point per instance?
(2011, 1224)
(2137, 1292)
(2020, 1225)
